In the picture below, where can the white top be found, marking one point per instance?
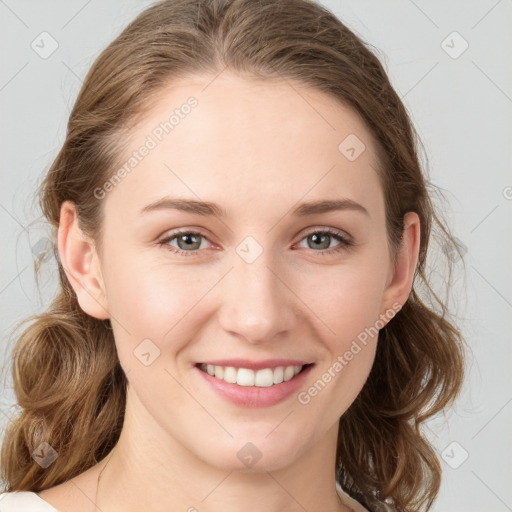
(23, 501)
(27, 501)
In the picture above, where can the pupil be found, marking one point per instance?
(186, 239)
(317, 238)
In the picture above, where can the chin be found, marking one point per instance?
(253, 454)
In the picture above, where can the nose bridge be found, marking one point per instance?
(255, 303)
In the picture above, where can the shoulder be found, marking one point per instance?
(23, 501)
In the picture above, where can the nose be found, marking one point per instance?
(257, 302)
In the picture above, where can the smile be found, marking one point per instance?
(264, 377)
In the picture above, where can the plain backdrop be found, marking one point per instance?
(450, 61)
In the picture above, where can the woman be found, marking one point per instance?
(241, 226)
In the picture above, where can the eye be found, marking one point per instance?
(189, 242)
(322, 240)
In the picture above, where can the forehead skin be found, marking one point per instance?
(257, 148)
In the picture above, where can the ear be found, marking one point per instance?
(81, 263)
(401, 277)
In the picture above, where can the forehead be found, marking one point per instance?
(247, 143)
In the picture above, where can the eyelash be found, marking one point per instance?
(343, 245)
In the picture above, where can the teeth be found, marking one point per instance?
(263, 378)
(278, 375)
(245, 377)
(219, 372)
(289, 372)
(230, 374)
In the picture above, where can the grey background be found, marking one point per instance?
(461, 106)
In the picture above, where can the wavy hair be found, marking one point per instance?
(69, 384)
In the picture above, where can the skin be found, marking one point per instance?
(257, 149)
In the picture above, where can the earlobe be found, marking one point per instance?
(80, 261)
(402, 275)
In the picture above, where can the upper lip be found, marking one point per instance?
(256, 365)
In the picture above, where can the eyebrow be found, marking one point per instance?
(206, 208)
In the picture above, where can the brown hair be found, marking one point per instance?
(67, 376)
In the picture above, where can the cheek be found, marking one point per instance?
(143, 294)
(348, 310)
(149, 302)
(346, 299)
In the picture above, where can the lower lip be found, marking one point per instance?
(254, 396)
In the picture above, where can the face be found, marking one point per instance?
(258, 282)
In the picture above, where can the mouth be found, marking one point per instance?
(247, 377)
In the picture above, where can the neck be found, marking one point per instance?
(157, 469)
